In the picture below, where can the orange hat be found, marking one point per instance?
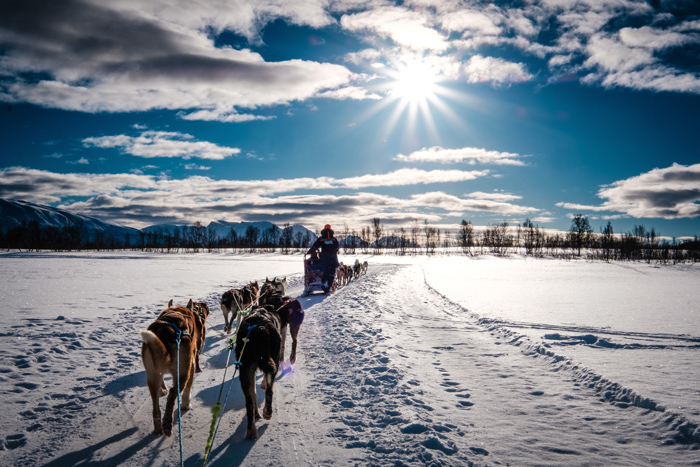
(327, 226)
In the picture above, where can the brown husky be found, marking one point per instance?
(159, 355)
(236, 300)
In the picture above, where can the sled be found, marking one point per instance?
(313, 276)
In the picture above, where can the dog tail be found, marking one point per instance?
(154, 353)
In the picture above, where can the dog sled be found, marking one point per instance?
(313, 277)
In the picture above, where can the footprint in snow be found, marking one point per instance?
(15, 441)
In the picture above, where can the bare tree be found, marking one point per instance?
(465, 237)
(415, 236)
(607, 242)
(377, 232)
(429, 233)
(286, 238)
(581, 231)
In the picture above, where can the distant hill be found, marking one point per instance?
(223, 228)
(15, 212)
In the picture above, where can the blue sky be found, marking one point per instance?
(337, 112)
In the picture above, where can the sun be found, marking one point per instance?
(414, 81)
(418, 90)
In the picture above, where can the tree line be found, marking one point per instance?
(500, 239)
(75, 236)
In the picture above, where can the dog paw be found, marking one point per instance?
(267, 413)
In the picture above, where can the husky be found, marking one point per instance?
(365, 265)
(236, 300)
(258, 346)
(200, 310)
(357, 268)
(279, 284)
(340, 275)
(159, 355)
(289, 311)
(349, 274)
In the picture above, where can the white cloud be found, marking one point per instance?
(410, 177)
(405, 27)
(653, 38)
(196, 167)
(470, 155)
(362, 56)
(222, 115)
(140, 200)
(612, 55)
(81, 161)
(481, 69)
(454, 203)
(472, 21)
(162, 144)
(669, 193)
(351, 92)
(126, 56)
(495, 196)
(657, 78)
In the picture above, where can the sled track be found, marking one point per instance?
(673, 428)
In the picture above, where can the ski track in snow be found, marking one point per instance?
(389, 372)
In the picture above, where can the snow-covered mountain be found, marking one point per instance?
(15, 212)
(223, 228)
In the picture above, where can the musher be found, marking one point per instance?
(329, 247)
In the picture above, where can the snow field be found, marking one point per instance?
(404, 367)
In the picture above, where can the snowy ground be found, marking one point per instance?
(423, 361)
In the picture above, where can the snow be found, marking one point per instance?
(443, 360)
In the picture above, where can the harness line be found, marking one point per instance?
(218, 409)
(178, 333)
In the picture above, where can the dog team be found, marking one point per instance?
(263, 316)
(345, 273)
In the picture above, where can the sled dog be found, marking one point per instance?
(340, 275)
(290, 314)
(365, 265)
(200, 310)
(258, 347)
(357, 268)
(279, 284)
(234, 301)
(159, 355)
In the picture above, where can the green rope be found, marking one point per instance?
(215, 411)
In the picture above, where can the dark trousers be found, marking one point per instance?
(329, 266)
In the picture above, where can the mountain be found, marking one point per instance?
(224, 227)
(15, 212)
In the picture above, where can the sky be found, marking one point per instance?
(318, 111)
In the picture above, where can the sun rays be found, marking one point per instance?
(413, 88)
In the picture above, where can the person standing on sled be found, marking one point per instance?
(329, 247)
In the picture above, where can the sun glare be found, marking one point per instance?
(415, 82)
(413, 87)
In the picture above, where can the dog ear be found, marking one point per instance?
(170, 303)
(189, 304)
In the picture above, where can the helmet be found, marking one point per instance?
(327, 226)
